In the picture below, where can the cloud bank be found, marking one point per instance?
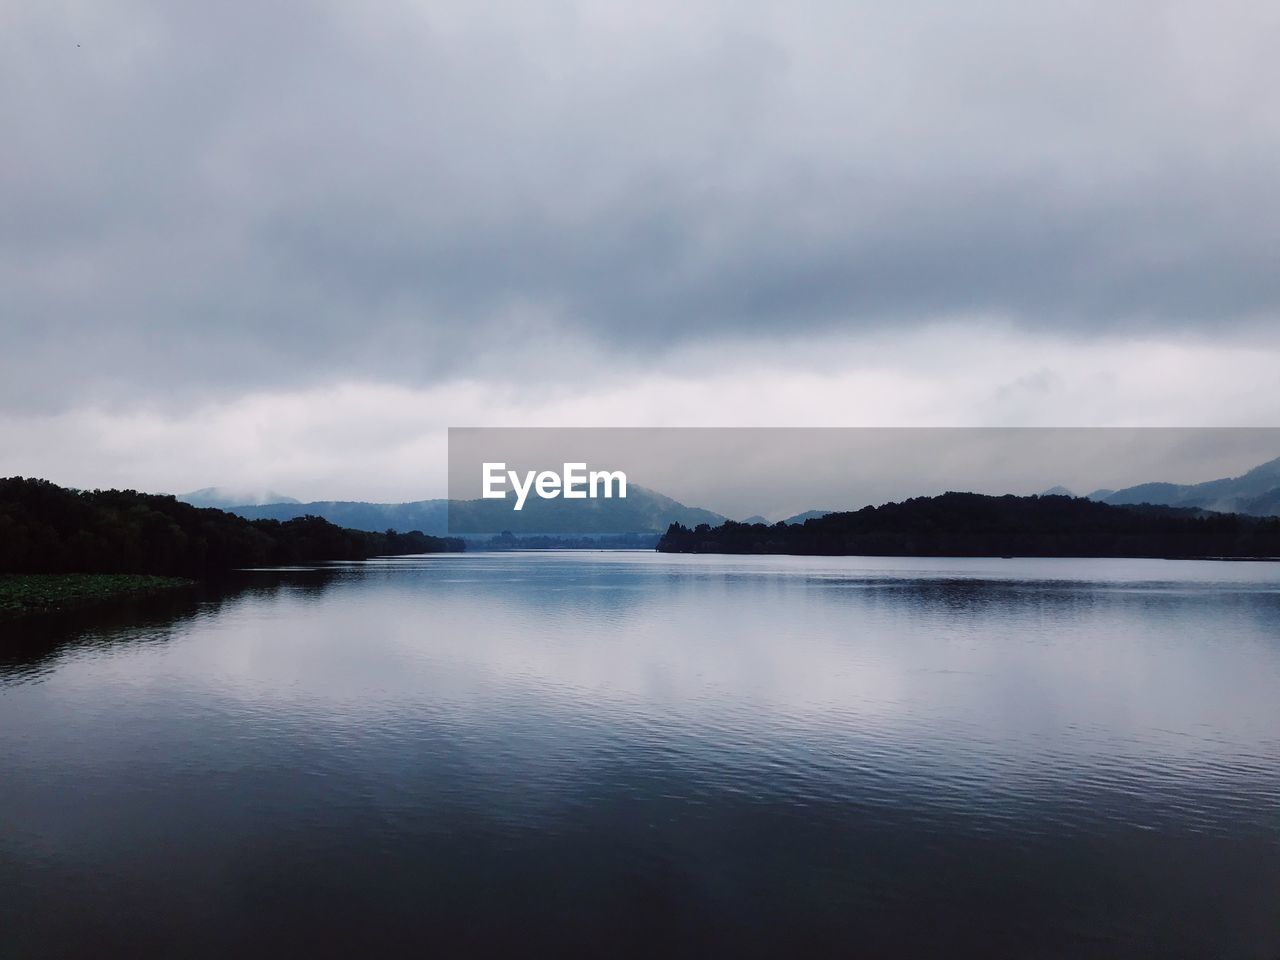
(362, 440)
(206, 205)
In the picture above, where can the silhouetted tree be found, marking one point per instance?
(970, 524)
(45, 528)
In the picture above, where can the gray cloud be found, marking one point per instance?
(198, 197)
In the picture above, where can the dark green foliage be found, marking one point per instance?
(973, 525)
(40, 592)
(45, 528)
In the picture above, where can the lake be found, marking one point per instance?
(633, 754)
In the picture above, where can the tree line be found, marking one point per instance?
(45, 528)
(970, 524)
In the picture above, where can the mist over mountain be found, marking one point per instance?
(226, 497)
(429, 516)
(641, 511)
(1255, 493)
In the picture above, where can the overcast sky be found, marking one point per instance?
(287, 244)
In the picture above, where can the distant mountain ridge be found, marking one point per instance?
(641, 511)
(1254, 493)
(223, 498)
(1058, 491)
(807, 515)
(429, 516)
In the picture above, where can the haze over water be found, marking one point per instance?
(632, 753)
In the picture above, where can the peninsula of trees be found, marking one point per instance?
(974, 525)
(45, 528)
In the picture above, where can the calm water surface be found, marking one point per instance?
(634, 754)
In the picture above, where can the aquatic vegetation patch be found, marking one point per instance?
(37, 593)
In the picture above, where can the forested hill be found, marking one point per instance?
(974, 525)
(45, 528)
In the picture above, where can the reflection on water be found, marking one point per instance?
(636, 754)
(33, 644)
